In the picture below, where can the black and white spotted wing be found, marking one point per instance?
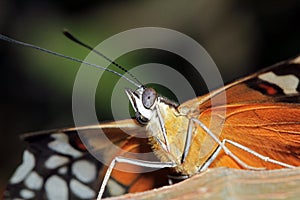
(56, 164)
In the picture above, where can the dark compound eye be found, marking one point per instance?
(148, 97)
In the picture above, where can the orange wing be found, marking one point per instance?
(261, 112)
(127, 178)
(272, 130)
(254, 89)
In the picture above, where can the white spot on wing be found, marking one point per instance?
(85, 171)
(114, 188)
(55, 161)
(23, 170)
(81, 190)
(34, 181)
(61, 145)
(288, 83)
(56, 188)
(26, 194)
(62, 170)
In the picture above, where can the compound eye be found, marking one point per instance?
(149, 97)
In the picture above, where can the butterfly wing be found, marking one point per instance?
(57, 165)
(273, 130)
(262, 112)
(53, 163)
(277, 83)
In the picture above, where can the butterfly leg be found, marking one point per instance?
(229, 153)
(262, 157)
(221, 146)
(141, 163)
(162, 126)
(265, 158)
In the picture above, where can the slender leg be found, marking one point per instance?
(221, 146)
(188, 141)
(163, 129)
(264, 158)
(229, 153)
(142, 163)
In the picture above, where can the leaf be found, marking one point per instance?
(228, 183)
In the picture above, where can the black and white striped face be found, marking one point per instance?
(143, 101)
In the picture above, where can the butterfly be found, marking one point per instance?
(260, 130)
(258, 127)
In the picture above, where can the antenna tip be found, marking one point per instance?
(66, 31)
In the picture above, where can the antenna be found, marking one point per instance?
(76, 40)
(10, 40)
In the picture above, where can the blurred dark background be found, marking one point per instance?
(36, 89)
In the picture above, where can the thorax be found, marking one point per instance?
(176, 126)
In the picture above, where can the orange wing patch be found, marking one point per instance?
(272, 130)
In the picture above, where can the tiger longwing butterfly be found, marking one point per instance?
(260, 131)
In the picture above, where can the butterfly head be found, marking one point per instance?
(143, 101)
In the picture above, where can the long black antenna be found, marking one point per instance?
(76, 40)
(8, 39)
